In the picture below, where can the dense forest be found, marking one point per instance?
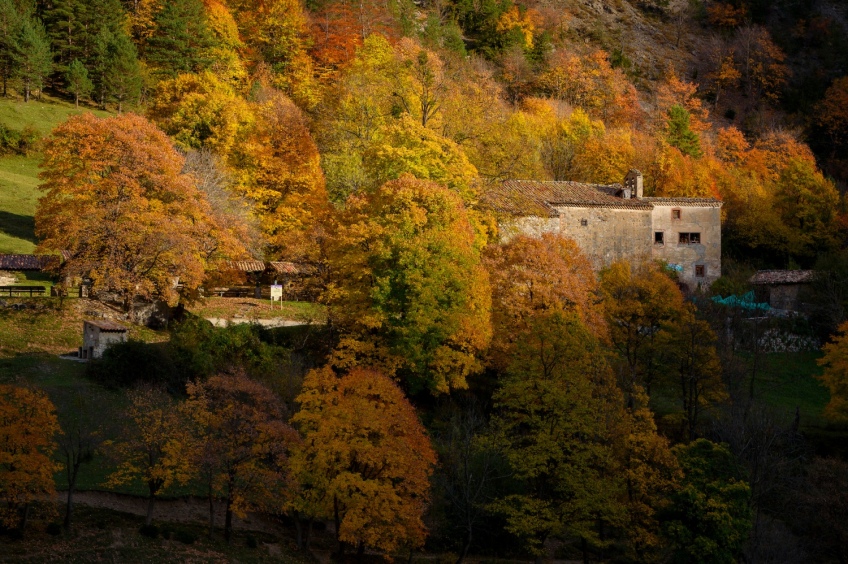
(466, 396)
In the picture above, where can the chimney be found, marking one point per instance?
(633, 183)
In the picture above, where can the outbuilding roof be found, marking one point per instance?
(108, 326)
(283, 267)
(541, 198)
(782, 277)
(247, 265)
(26, 262)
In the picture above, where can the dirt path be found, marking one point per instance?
(185, 510)
(279, 322)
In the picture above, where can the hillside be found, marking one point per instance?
(19, 173)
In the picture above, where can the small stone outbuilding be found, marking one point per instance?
(782, 289)
(99, 335)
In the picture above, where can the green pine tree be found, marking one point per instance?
(678, 134)
(32, 57)
(74, 25)
(11, 21)
(182, 39)
(77, 80)
(117, 71)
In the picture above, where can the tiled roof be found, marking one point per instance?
(782, 276)
(694, 202)
(537, 198)
(26, 262)
(247, 265)
(290, 267)
(109, 326)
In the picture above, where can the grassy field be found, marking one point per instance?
(19, 174)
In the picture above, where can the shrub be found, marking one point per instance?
(134, 362)
(54, 529)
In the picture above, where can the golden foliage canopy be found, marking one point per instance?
(365, 458)
(117, 200)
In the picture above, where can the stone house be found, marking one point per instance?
(782, 289)
(616, 222)
(97, 336)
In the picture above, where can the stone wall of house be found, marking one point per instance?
(706, 221)
(95, 341)
(605, 235)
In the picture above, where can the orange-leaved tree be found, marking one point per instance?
(532, 276)
(407, 289)
(244, 444)
(365, 459)
(156, 445)
(118, 203)
(27, 426)
(277, 167)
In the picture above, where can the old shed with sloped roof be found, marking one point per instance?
(782, 289)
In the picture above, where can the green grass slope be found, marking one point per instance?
(19, 175)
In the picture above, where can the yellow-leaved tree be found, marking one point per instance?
(365, 460)
(407, 290)
(835, 375)
(156, 445)
(27, 427)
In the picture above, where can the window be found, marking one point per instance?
(699, 270)
(690, 239)
(675, 214)
(584, 222)
(659, 238)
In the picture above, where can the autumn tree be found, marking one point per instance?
(365, 460)
(200, 111)
(591, 83)
(693, 365)
(762, 64)
(277, 167)
(244, 442)
(85, 418)
(554, 412)
(534, 276)
(156, 445)
(710, 516)
(835, 375)
(832, 112)
(639, 306)
(27, 427)
(117, 202)
(407, 290)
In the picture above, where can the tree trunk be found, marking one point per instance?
(24, 517)
(337, 521)
(309, 534)
(149, 518)
(584, 547)
(69, 507)
(76, 100)
(211, 512)
(298, 526)
(465, 547)
(228, 520)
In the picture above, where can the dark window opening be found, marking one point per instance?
(675, 214)
(690, 239)
(658, 238)
(584, 222)
(699, 270)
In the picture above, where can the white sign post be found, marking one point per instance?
(277, 293)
